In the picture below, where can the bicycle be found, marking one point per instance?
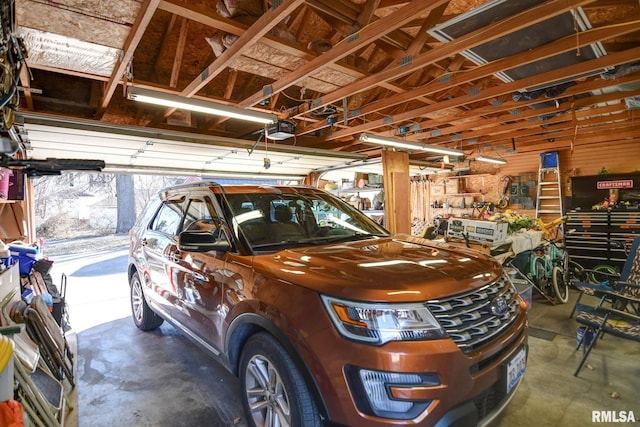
(602, 272)
(547, 267)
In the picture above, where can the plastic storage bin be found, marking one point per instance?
(549, 160)
(522, 285)
(525, 290)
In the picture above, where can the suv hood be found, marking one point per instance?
(401, 268)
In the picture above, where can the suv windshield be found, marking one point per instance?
(274, 218)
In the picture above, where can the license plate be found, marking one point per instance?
(516, 368)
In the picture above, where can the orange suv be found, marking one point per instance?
(324, 316)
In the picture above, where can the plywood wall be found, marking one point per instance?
(586, 159)
(579, 160)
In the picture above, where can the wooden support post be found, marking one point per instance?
(397, 212)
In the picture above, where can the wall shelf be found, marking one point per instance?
(356, 190)
(478, 175)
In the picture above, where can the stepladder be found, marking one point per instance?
(549, 196)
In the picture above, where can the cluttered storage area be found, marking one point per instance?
(37, 383)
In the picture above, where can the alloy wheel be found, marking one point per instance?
(266, 394)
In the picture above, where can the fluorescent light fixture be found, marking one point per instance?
(491, 160)
(398, 143)
(207, 107)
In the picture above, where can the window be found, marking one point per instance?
(197, 215)
(168, 218)
(201, 216)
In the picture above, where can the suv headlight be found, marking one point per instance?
(379, 323)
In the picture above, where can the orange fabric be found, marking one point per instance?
(11, 414)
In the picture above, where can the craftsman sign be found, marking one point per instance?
(620, 183)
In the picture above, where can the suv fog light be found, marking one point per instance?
(375, 385)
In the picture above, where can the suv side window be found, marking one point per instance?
(200, 216)
(168, 219)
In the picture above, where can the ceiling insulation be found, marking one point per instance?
(105, 23)
(57, 51)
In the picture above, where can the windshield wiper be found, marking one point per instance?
(317, 241)
(281, 243)
(346, 238)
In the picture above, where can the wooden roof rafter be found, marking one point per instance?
(550, 77)
(147, 10)
(255, 32)
(506, 26)
(477, 73)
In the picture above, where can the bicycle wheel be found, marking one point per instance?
(564, 264)
(594, 277)
(539, 271)
(560, 285)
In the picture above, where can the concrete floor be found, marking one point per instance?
(130, 378)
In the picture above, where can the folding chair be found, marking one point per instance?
(627, 282)
(53, 345)
(608, 320)
(41, 394)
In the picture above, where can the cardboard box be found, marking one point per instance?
(477, 230)
(446, 186)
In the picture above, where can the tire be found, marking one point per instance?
(539, 273)
(566, 273)
(560, 285)
(609, 271)
(144, 318)
(273, 390)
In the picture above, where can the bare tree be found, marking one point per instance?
(148, 185)
(126, 203)
(61, 208)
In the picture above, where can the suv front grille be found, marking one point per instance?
(469, 319)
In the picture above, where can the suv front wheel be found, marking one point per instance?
(274, 392)
(144, 318)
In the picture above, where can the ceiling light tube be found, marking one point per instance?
(491, 160)
(398, 143)
(175, 101)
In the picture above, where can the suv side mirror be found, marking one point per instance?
(201, 241)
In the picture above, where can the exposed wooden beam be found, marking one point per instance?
(147, 9)
(507, 88)
(475, 38)
(420, 39)
(491, 115)
(261, 27)
(364, 37)
(25, 81)
(253, 34)
(177, 60)
(210, 18)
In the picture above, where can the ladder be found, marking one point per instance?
(549, 198)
